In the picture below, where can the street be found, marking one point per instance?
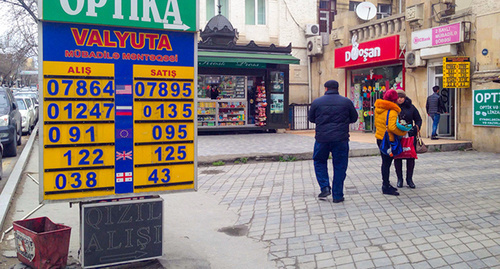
(267, 215)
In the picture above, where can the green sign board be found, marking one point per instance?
(486, 108)
(175, 15)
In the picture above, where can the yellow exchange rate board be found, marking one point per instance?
(78, 130)
(164, 112)
(117, 111)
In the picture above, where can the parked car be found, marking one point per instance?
(1, 161)
(34, 100)
(26, 114)
(30, 107)
(10, 123)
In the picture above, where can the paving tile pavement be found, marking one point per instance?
(451, 220)
(227, 146)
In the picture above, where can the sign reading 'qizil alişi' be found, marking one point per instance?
(155, 14)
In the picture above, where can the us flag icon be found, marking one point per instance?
(123, 89)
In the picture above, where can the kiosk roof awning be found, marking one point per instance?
(237, 57)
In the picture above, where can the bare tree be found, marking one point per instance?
(20, 41)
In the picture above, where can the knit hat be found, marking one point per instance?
(401, 93)
(332, 84)
(391, 95)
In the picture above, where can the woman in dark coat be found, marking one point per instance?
(410, 114)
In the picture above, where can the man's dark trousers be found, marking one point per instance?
(340, 159)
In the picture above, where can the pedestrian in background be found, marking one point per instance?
(332, 114)
(386, 117)
(409, 113)
(435, 106)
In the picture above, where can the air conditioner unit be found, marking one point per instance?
(312, 29)
(412, 59)
(414, 13)
(314, 45)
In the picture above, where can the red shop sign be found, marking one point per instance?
(374, 51)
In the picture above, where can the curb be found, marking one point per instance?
(274, 157)
(10, 187)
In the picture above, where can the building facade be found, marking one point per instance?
(267, 22)
(402, 46)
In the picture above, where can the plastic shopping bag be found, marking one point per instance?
(408, 149)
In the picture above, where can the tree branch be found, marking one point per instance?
(28, 9)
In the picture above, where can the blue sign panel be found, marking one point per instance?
(109, 92)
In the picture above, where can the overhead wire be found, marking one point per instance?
(289, 11)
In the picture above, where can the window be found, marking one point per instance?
(213, 9)
(255, 12)
(28, 102)
(353, 5)
(326, 15)
(21, 105)
(384, 10)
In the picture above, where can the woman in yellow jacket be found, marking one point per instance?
(382, 107)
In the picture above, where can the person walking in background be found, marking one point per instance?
(386, 117)
(332, 115)
(409, 113)
(435, 106)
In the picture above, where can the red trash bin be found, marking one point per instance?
(42, 244)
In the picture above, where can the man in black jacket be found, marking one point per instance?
(332, 115)
(435, 106)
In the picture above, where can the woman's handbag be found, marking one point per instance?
(421, 147)
(388, 147)
(408, 148)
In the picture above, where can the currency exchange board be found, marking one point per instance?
(118, 111)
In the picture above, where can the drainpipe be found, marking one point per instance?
(309, 78)
(400, 6)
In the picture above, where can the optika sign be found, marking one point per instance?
(148, 8)
(380, 50)
(160, 14)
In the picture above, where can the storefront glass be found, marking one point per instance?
(368, 85)
(231, 101)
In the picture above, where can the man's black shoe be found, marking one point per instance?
(325, 192)
(434, 138)
(336, 201)
(390, 190)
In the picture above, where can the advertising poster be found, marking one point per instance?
(118, 111)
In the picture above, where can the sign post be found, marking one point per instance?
(456, 72)
(486, 108)
(118, 110)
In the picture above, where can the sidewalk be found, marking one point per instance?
(450, 220)
(296, 144)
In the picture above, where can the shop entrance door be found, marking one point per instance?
(446, 128)
(277, 100)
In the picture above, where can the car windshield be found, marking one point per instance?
(21, 104)
(4, 103)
